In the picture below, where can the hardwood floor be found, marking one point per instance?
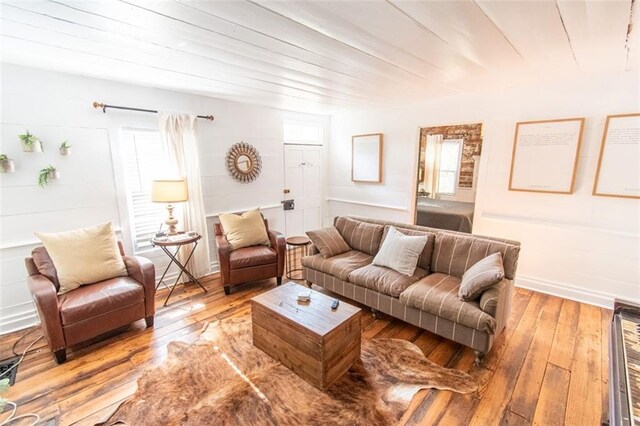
(548, 367)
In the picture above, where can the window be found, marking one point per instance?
(143, 156)
(449, 165)
(302, 133)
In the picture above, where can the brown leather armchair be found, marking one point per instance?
(250, 263)
(90, 310)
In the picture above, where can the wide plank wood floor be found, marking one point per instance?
(548, 367)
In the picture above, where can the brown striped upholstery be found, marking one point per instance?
(328, 241)
(454, 254)
(384, 280)
(341, 265)
(475, 339)
(361, 236)
(438, 295)
(424, 261)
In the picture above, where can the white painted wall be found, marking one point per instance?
(578, 246)
(57, 106)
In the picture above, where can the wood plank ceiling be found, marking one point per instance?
(322, 56)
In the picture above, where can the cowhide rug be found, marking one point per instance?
(222, 379)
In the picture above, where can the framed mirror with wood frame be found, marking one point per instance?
(366, 158)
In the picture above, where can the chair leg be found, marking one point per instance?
(60, 356)
(279, 280)
(149, 321)
(227, 290)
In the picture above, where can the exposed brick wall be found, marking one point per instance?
(472, 135)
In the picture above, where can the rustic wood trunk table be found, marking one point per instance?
(315, 342)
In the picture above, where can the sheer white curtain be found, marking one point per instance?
(178, 133)
(432, 157)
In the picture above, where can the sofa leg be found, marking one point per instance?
(227, 290)
(60, 356)
(279, 280)
(479, 358)
(149, 321)
(308, 283)
(375, 314)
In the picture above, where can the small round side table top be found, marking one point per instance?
(298, 241)
(176, 240)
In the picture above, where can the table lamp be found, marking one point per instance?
(170, 191)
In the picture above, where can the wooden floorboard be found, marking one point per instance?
(549, 366)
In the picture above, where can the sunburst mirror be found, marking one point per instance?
(243, 162)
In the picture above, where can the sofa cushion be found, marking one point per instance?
(96, 299)
(400, 252)
(384, 280)
(481, 277)
(361, 236)
(328, 241)
(453, 254)
(339, 266)
(437, 294)
(424, 261)
(247, 257)
(84, 256)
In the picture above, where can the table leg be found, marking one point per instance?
(174, 259)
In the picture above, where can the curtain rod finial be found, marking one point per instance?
(100, 105)
(209, 117)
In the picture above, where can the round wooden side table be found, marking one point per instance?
(297, 248)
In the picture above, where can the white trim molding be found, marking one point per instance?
(269, 207)
(566, 291)
(362, 203)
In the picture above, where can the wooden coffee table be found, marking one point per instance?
(315, 342)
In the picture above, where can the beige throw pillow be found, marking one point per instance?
(328, 241)
(84, 256)
(483, 275)
(244, 230)
(400, 252)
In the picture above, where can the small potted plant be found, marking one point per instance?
(65, 148)
(47, 174)
(6, 164)
(30, 143)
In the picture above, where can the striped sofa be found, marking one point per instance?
(429, 298)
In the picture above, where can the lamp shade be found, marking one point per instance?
(169, 191)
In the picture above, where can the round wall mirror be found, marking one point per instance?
(243, 162)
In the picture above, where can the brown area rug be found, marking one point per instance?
(223, 379)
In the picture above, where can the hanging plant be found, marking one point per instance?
(65, 148)
(30, 143)
(47, 174)
(6, 164)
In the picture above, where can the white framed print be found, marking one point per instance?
(366, 158)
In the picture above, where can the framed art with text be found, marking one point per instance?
(618, 172)
(545, 155)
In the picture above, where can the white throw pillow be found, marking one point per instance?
(84, 256)
(400, 252)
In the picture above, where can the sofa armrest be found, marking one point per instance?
(46, 299)
(497, 302)
(279, 244)
(143, 270)
(224, 252)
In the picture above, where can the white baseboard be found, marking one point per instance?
(566, 291)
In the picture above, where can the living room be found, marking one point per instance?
(322, 116)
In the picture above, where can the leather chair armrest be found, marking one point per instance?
(223, 259)
(46, 299)
(143, 270)
(279, 243)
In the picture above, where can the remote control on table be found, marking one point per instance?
(335, 304)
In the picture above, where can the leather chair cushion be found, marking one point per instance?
(96, 299)
(45, 266)
(247, 257)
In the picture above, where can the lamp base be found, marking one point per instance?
(171, 221)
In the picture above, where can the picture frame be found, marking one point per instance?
(545, 155)
(619, 158)
(366, 158)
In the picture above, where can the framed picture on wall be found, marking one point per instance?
(545, 155)
(618, 173)
(366, 158)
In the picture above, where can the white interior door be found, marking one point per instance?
(303, 180)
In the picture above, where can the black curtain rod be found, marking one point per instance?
(105, 106)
